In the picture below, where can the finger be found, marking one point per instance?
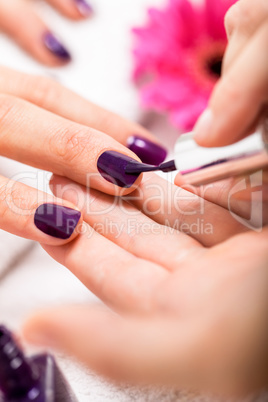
(53, 97)
(74, 9)
(168, 212)
(193, 354)
(134, 350)
(38, 138)
(29, 213)
(245, 196)
(184, 209)
(239, 97)
(121, 280)
(19, 21)
(241, 23)
(127, 226)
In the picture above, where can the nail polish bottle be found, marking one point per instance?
(23, 379)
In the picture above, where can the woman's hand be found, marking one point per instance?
(49, 127)
(19, 20)
(241, 96)
(192, 305)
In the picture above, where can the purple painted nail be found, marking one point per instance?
(55, 46)
(83, 7)
(148, 151)
(112, 166)
(56, 220)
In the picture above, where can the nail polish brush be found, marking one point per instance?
(199, 165)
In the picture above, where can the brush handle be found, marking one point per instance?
(200, 165)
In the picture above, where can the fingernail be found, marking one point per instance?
(56, 47)
(148, 151)
(83, 7)
(112, 166)
(56, 221)
(203, 126)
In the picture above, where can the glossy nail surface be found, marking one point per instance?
(84, 7)
(146, 150)
(56, 220)
(56, 47)
(112, 166)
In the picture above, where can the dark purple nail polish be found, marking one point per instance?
(146, 150)
(29, 379)
(112, 166)
(56, 220)
(83, 7)
(56, 47)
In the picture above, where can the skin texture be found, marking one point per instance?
(189, 309)
(20, 21)
(45, 125)
(240, 97)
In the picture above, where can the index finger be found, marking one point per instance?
(41, 139)
(51, 96)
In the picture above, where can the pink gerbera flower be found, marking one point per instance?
(178, 58)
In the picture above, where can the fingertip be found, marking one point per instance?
(150, 152)
(179, 180)
(57, 327)
(57, 224)
(75, 10)
(84, 8)
(203, 130)
(39, 330)
(112, 167)
(57, 52)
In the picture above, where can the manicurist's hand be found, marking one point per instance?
(19, 20)
(241, 96)
(47, 126)
(187, 279)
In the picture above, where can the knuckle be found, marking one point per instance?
(231, 19)
(250, 14)
(225, 92)
(7, 107)
(72, 145)
(44, 91)
(246, 15)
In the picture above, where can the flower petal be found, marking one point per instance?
(215, 12)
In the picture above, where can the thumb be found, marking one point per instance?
(188, 355)
(239, 97)
(134, 349)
